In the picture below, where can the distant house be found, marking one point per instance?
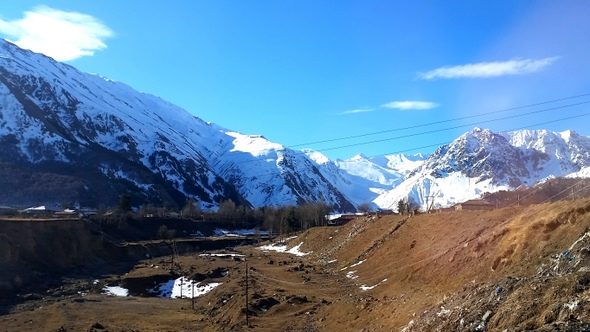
(38, 210)
(385, 212)
(340, 219)
(475, 204)
(67, 213)
(443, 210)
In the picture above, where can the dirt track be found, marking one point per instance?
(416, 265)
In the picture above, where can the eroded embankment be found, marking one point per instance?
(35, 255)
(404, 267)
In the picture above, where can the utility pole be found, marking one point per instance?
(193, 295)
(247, 313)
(429, 203)
(573, 195)
(181, 282)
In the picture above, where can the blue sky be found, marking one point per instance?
(301, 71)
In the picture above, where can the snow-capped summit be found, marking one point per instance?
(85, 138)
(402, 163)
(67, 136)
(316, 156)
(482, 161)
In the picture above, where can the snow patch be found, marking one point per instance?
(283, 248)
(358, 263)
(222, 255)
(366, 288)
(183, 288)
(115, 291)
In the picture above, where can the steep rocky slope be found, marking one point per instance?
(87, 139)
(481, 161)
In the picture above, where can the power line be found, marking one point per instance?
(272, 173)
(513, 129)
(441, 121)
(454, 127)
(567, 189)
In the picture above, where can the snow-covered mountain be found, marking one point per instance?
(67, 136)
(482, 161)
(362, 179)
(70, 136)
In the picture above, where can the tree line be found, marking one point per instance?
(281, 220)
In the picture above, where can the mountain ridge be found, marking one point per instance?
(53, 113)
(76, 137)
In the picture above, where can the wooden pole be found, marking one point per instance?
(247, 309)
(193, 295)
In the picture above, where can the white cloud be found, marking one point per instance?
(358, 110)
(407, 105)
(489, 69)
(59, 34)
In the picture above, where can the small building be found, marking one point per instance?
(385, 212)
(36, 210)
(475, 204)
(444, 210)
(67, 213)
(339, 219)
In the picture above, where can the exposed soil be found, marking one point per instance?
(509, 269)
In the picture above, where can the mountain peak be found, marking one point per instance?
(359, 156)
(567, 135)
(102, 138)
(318, 157)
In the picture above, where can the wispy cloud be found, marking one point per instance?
(407, 105)
(358, 110)
(59, 34)
(489, 69)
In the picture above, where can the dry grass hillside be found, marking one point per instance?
(427, 258)
(517, 268)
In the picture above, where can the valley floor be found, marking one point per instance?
(514, 269)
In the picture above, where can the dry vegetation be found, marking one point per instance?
(443, 272)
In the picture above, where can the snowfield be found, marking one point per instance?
(86, 115)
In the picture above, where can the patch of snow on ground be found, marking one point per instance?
(295, 250)
(283, 248)
(366, 288)
(183, 288)
(273, 247)
(116, 291)
(222, 255)
(358, 263)
(351, 275)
